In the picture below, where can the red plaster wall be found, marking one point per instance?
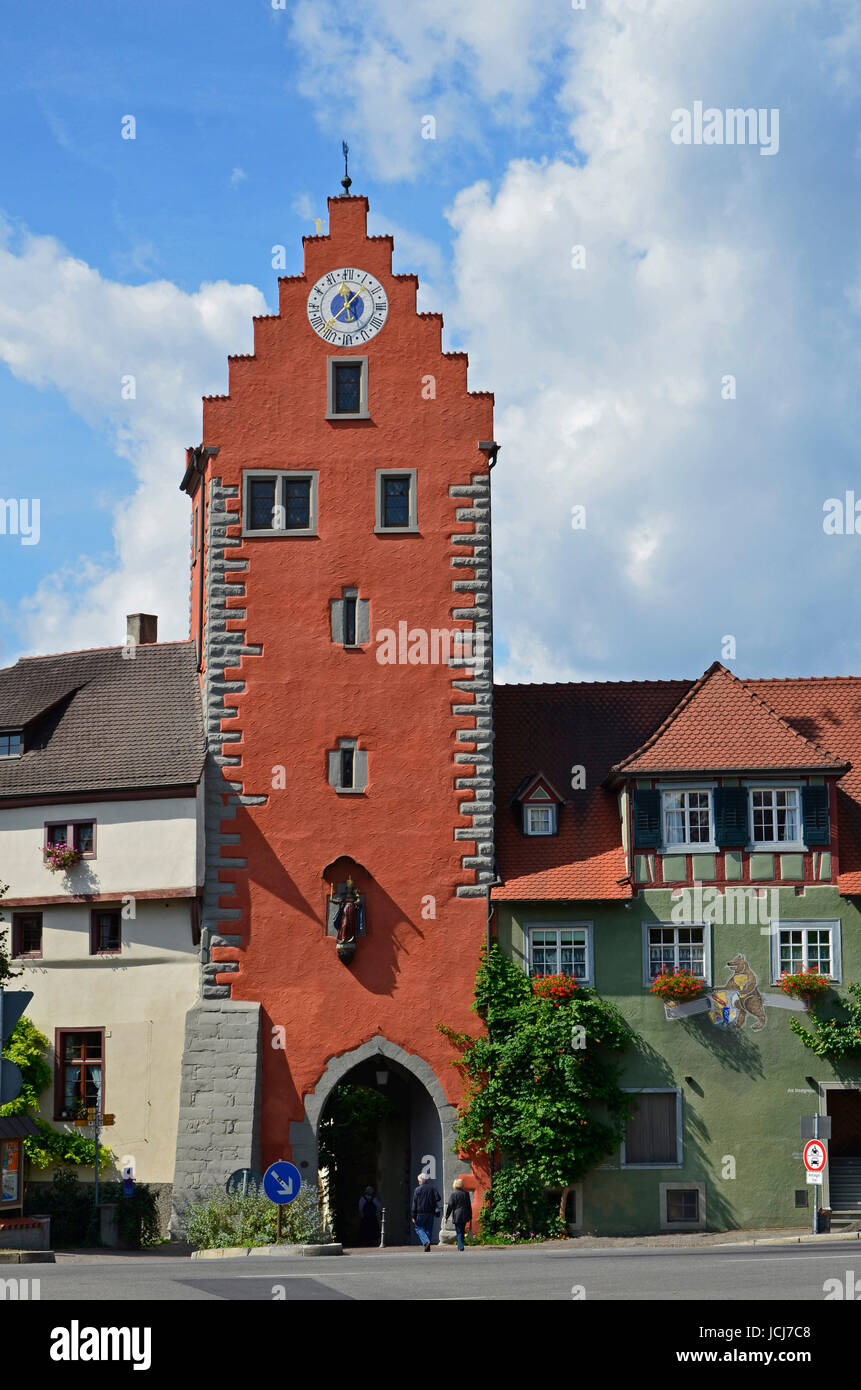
(304, 692)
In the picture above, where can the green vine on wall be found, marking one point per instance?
(543, 1093)
(27, 1048)
(835, 1038)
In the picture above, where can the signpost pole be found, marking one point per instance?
(816, 1189)
(278, 1224)
(97, 1119)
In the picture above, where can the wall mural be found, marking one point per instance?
(736, 1001)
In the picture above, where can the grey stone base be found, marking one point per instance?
(219, 1100)
(235, 1250)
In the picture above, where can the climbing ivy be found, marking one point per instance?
(544, 1093)
(833, 1037)
(27, 1048)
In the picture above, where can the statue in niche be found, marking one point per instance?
(349, 920)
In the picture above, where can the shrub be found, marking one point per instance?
(70, 1206)
(834, 1038)
(137, 1216)
(224, 1219)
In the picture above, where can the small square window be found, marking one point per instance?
(105, 933)
(683, 1204)
(57, 834)
(539, 820)
(10, 745)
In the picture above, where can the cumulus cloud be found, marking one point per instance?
(64, 326)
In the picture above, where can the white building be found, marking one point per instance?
(102, 752)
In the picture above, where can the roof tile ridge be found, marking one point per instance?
(811, 743)
(673, 715)
(115, 647)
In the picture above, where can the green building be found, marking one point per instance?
(711, 828)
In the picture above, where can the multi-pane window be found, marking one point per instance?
(687, 818)
(80, 1072)
(677, 948)
(652, 1130)
(105, 932)
(539, 820)
(560, 951)
(79, 835)
(683, 1204)
(347, 391)
(396, 501)
(776, 815)
(277, 503)
(10, 745)
(806, 948)
(346, 388)
(26, 934)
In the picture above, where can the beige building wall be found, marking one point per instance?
(140, 998)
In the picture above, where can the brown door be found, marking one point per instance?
(844, 1107)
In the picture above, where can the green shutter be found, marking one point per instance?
(814, 812)
(731, 826)
(647, 818)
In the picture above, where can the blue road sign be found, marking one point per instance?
(281, 1182)
(244, 1180)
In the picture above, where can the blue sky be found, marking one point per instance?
(703, 514)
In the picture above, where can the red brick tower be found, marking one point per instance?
(341, 537)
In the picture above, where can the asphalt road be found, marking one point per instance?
(720, 1273)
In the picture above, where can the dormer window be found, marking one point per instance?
(539, 820)
(538, 803)
(10, 744)
(775, 816)
(687, 818)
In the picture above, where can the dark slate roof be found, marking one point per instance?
(96, 721)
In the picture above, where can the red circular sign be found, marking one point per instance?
(815, 1155)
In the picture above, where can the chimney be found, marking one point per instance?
(142, 628)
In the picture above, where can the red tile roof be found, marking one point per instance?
(721, 725)
(751, 725)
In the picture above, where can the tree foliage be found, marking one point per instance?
(543, 1092)
(831, 1037)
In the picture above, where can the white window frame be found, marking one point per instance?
(280, 475)
(704, 927)
(829, 924)
(778, 846)
(363, 412)
(688, 846)
(412, 528)
(539, 806)
(658, 1090)
(589, 980)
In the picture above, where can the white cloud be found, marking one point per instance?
(381, 68)
(63, 325)
(237, 177)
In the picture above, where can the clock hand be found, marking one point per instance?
(335, 317)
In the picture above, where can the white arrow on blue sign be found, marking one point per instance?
(281, 1182)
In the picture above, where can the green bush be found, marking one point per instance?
(69, 1203)
(224, 1219)
(137, 1216)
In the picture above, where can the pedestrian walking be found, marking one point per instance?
(369, 1218)
(426, 1204)
(460, 1210)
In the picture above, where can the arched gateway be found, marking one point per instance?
(427, 1134)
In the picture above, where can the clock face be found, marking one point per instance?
(347, 307)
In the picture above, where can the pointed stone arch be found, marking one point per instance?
(303, 1133)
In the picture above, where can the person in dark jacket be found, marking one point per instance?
(459, 1209)
(426, 1204)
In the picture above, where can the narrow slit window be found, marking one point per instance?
(347, 766)
(261, 492)
(297, 504)
(350, 622)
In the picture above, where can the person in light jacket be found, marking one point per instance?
(459, 1209)
(426, 1204)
